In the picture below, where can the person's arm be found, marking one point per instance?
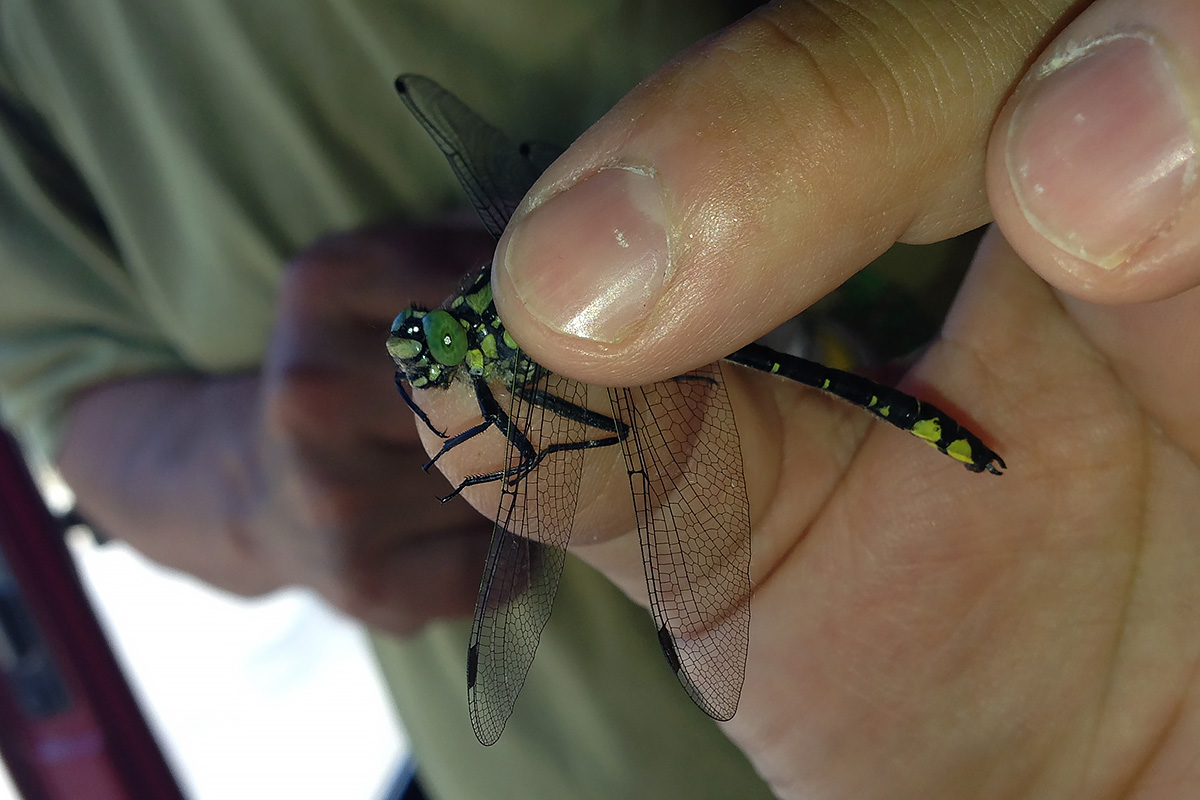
(161, 461)
(306, 472)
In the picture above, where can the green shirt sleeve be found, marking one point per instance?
(70, 315)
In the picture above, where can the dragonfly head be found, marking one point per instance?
(428, 346)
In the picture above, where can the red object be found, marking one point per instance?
(70, 728)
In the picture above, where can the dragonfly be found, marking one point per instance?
(678, 438)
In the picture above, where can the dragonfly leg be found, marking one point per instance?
(527, 466)
(530, 457)
(492, 414)
(694, 379)
(564, 408)
(474, 480)
(421, 415)
(563, 447)
(455, 441)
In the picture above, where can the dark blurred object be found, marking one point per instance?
(70, 728)
(405, 785)
(895, 305)
(883, 315)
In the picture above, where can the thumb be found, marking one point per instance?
(754, 174)
(1092, 169)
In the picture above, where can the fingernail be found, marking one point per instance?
(1101, 150)
(592, 261)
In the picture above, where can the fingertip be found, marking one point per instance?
(652, 245)
(614, 268)
(592, 261)
(1092, 169)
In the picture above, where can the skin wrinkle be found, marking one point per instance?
(879, 46)
(776, 457)
(1192, 680)
(820, 511)
(1097, 351)
(1033, 773)
(864, 76)
(854, 118)
(981, 606)
(1088, 765)
(860, 118)
(799, 46)
(1153, 748)
(1119, 368)
(930, 80)
(1100, 359)
(928, 75)
(1088, 761)
(852, 428)
(978, 63)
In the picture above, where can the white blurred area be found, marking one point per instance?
(269, 697)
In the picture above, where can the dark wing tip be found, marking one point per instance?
(472, 665)
(402, 82)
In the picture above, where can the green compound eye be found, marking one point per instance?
(446, 338)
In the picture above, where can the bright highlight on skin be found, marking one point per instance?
(593, 261)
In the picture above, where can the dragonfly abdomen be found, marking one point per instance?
(924, 420)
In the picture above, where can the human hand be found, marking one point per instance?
(338, 500)
(306, 472)
(919, 631)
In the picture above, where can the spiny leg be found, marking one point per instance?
(416, 409)
(530, 457)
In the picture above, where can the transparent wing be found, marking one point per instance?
(537, 505)
(525, 560)
(685, 471)
(493, 170)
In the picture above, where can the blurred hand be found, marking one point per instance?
(919, 631)
(308, 472)
(339, 497)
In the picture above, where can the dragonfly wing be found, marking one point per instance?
(493, 170)
(526, 557)
(689, 492)
(520, 580)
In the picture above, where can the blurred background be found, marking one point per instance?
(248, 698)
